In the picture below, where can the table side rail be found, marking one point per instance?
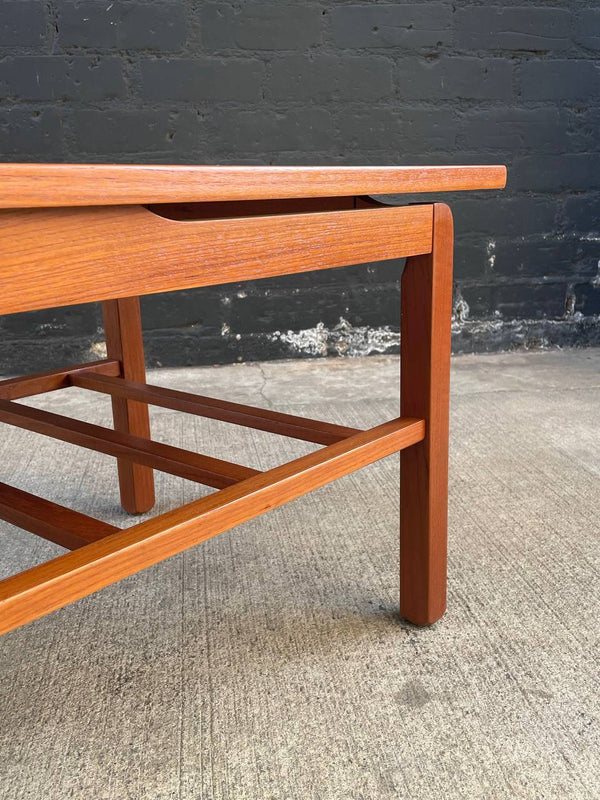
(66, 256)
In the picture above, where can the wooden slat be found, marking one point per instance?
(56, 523)
(30, 185)
(64, 256)
(260, 418)
(52, 585)
(164, 457)
(29, 385)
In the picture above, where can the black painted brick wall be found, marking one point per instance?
(336, 82)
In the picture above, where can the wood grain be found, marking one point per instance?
(64, 256)
(425, 383)
(193, 466)
(56, 583)
(56, 523)
(263, 419)
(123, 331)
(37, 185)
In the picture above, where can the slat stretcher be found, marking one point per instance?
(103, 554)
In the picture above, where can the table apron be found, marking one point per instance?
(65, 256)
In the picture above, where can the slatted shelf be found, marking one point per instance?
(56, 583)
(263, 419)
(193, 466)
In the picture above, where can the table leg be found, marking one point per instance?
(123, 328)
(425, 384)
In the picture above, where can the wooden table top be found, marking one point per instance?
(54, 185)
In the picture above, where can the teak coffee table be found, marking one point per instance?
(79, 233)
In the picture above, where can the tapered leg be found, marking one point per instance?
(123, 328)
(425, 384)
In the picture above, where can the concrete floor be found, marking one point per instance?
(270, 662)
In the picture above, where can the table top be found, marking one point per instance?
(54, 185)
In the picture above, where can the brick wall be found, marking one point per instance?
(336, 82)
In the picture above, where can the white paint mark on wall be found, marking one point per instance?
(310, 342)
(570, 303)
(596, 280)
(491, 253)
(98, 349)
(343, 339)
(461, 309)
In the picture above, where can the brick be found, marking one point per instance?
(511, 301)
(30, 132)
(548, 256)
(588, 29)
(62, 78)
(582, 213)
(372, 129)
(258, 26)
(187, 133)
(244, 132)
(504, 27)
(151, 26)
(111, 131)
(583, 128)
(22, 23)
(202, 79)
(42, 354)
(573, 79)
(479, 300)
(472, 259)
(391, 25)
(266, 309)
(555, 173)
(534, 301)
(495, 216)
(201, 308)
(329, 78)
(428, 129)
(512, 129)
(392, 130)
(368, 274)
(53, 322)
(587, 297)
(269, 307)
(182, 348)
(454, 78)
